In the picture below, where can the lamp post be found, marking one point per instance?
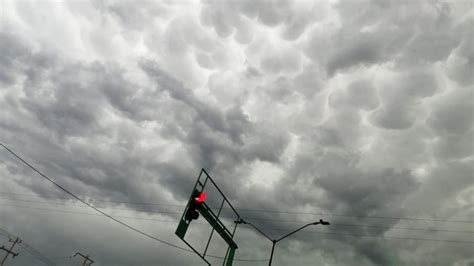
(274, 241)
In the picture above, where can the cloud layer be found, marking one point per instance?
(361, 112)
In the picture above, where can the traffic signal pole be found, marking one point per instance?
(196, 207)
(9, 251)
(275, 241)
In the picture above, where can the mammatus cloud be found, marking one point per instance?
(360, 113)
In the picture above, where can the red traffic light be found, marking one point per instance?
(195, 205)
(201, 197)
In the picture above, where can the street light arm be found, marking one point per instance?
(241, 221)
(301, 228)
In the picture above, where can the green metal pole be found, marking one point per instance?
(231, 256)
(212, 232)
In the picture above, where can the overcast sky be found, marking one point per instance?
(357, 112)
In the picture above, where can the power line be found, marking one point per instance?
(250, 218)
(98, 200)
(269, 228)
(9, 250)
(35, 253)
(91, 214)
(404, 228)
(390, 237)
(279, 212)
(105, 214)
(73, 204)
(170, 244)
(5, 233)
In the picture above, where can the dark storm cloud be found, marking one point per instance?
(81, 95)
(370, 192)
(63, 102)
(373, 33)
(73, 108)
(362, 50)
(212, 132)
(400, 100)
(345, 189)
(361, 108)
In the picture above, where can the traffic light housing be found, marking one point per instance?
(195, 205)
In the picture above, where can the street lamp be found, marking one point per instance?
(274, 241)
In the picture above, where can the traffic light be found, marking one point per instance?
(195, 205)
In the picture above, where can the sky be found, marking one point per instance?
(358, 112)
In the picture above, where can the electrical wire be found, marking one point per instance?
(35, 253)
(279, 212)
(5, 233)
(92, 214)
(315, 232)
(268, 228)
(73, 204)
(388, 237)
(106, 214)
(249, 218)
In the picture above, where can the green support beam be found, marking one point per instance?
(220, 228)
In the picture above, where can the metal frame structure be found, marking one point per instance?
(213, 220)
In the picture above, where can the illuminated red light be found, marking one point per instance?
(201, 198)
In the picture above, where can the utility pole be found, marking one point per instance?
(274, 241)
(86, 258)
(9, 251)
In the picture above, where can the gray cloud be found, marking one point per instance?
(360, 94)
(233, 17)
(401, 99)
(373, 33)
(342, 111)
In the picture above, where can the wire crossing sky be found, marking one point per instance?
(102, 212)
(62, 202)
(360, 113)
(26, 248)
